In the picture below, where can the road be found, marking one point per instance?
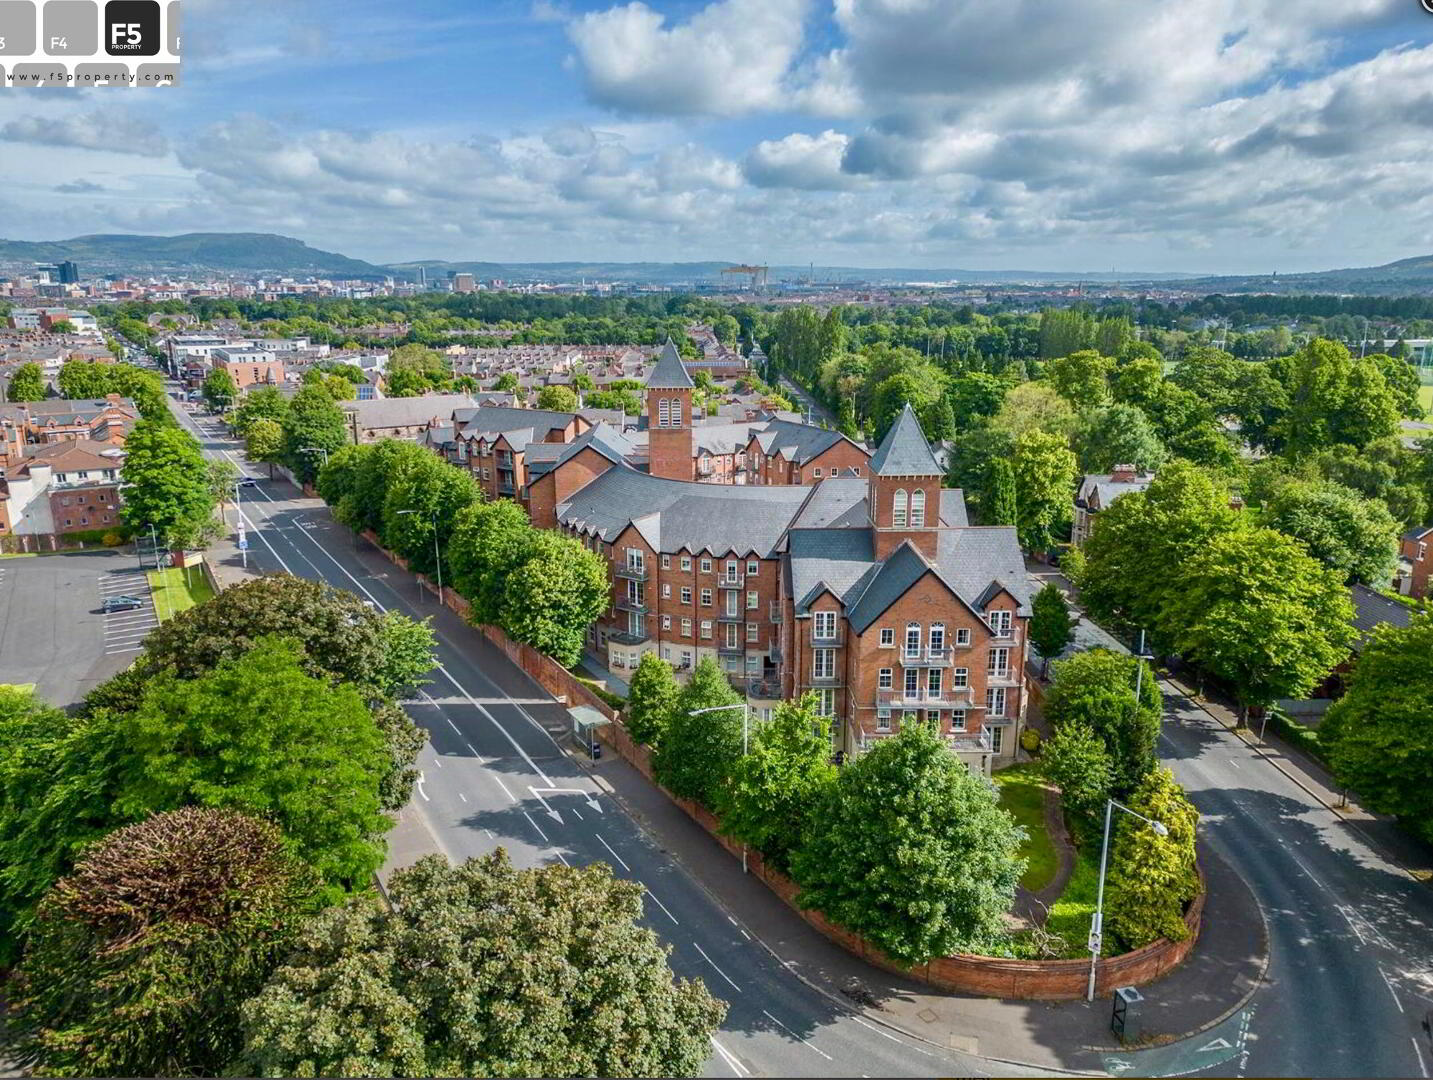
(494, 776)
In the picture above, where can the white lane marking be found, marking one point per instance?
(888, 1035)
(652, 896)
(718, 970)
(731, 1061)
(462, 796)
(420, 788)
(490, 834)
(536, 826)
(1306, 870)
(614, 854)
(561, 856)
(1422, 1065)
(1389, 984)
(793, 1034)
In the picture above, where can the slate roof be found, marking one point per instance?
(827, 559)
(404, 412)
(606, 440)
(904, 451)
(673, 515)
(837, 503)
(901, 569)
(670, 373)
(1371, 610)
(952, 508)
(493, 420)
(797, 442)
(1419, 533)
(1108, 489)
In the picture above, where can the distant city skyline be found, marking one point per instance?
(1234, 136)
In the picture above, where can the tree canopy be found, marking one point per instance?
(698, 750)
(168, 482)
(1095, 689)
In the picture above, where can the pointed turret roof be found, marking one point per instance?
(904, 451)
(670, 373)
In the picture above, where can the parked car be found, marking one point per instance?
(248, 481)
(121, 603)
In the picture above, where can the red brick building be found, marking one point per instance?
(1416, 547)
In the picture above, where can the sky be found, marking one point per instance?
(1218, 136)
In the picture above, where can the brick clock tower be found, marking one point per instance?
(669, 417)
(904, 489)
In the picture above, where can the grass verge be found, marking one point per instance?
(1022, 795)
(176, 589)
(1072, 914)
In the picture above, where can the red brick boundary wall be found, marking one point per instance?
(979, 976)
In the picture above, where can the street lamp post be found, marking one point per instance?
(745, 708)
(1097, 927)
(437, 555)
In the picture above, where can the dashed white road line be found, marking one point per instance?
(608, 846)
(1422, 1065)
(1388, 983)
(536, 826)
(718, 970)
(793, 1034)
(653, 897)
(730, 1060)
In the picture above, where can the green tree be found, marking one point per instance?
(557, 398)
(489, 541)
(777, 785)
(1076, 761)
(140, 958)
(62, 326)
(312, 425)
(1095, 690)
(27, 384)
(1119, 435)
(1334, 398)
(1000, 505)
(84, 379)
(1081, 378)
(1253, 609)
(699, 750)
(975, 394)
(1050, 625)
(1152, 877)
(218, 390)
(168, 481)
(417, 358)
(260, 403)
(651, 696)
(1346, 532)
(554, 595)
(1379, 736)
(424, 497)
(910, 850)
(1034, 406)
(507, 382)
(1138, 383)
(482, 970)
(1212, 374)
(1044, 487)
(264, 442)
(1403, 381)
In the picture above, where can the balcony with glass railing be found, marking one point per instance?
(947, 697)
(631, 572)
(929, 657)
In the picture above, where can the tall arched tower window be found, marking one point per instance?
(676, 412)
(664, 412)
(898, 509)
(918, 508)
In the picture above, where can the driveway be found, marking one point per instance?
(52, 630)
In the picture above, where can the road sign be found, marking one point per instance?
(243, 543)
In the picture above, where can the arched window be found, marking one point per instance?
(918, 508)
(664, 413)
(676, 412)
(898, 509)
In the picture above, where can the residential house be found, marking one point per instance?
(1098, 490)
(1416, 559)
(64, 487)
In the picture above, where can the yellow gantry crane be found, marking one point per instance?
(757, 274)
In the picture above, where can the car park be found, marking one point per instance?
(121, 603)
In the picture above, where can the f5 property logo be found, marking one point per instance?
(131, 27)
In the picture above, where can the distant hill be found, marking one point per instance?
(1406, 276)
(237, 253)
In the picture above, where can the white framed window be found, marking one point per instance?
(999, 622)
(855, 470)
(666, 622)
(918, 508)
(962, 635)
(733, 602)
(686, 628)
(995, 702)
(888, 637)
(676, 412)
(706, 566)
(997, 739)
(686, 594)
(636, 560)
(957, 720)
(937, 638)
(913, 682)
(751, 631)
(666, 592)
(667, 649)
(998, 663)
(706, 598)
(732, 641)
(707, 629)
(751, 601)
(883, 721)
(823, 626)
(1422, 551)
(752, 566)
(816, 473)
(664, 413)
(826, 703)
(913, 640)
(898, 508)
(666, 562)
(883, 679)
(932, 717)
(686, 562)
(823, 663)
(935, 681)
(960, 677)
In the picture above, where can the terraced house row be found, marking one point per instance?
(866, 585)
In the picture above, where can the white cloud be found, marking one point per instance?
(114, 130)
(809, 162)
(729, 58)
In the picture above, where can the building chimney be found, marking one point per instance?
(1124, 474)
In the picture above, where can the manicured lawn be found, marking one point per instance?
(1072, 914)
(177, 590)
(1022, 795)
(1425, 397)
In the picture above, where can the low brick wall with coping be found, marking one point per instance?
(979, 976)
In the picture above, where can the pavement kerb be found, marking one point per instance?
(1246, 736)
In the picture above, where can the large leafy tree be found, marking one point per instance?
(218, 390)
(777, 785)
(1403, 381)
(554, 595)
(1119, 435)
(1353, 535)
(420, 505)
(1050, 625)
(140, 958)
(168, 481)
(1153, 877)
(1379, 736)
(489, 541)
(999, 503)
(1081, 378)
(1335, 398)
(1255, 610)
(699, 749)
(1044, 487)
(482, 970)
(312, 425)
(1212, 374)
(911, 850)
(265, 442)
(1095, 689)
(83, 379)
(1077, 762)
(651, 696)
(557, 398)
(27, 384)
(260, 403)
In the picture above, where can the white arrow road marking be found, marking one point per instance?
(591, 800)
(420, 788)
(550, 811)
(1216, 1044)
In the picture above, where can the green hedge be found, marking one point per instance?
(613, 700)
(1296, 734)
